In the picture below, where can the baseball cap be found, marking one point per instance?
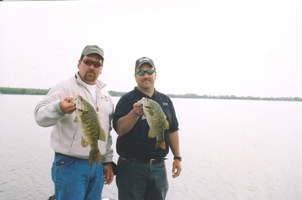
(90, 49)
(143, 60)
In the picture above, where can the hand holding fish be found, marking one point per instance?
(138, 108)
(67, 106)
(126, 123)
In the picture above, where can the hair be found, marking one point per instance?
(93, 54)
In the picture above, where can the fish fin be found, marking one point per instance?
(151, 134)
(84, 143)
(167, 125)
(75, 119)
(102, 132)
(95, 156)
(160, 145)
(143, 117)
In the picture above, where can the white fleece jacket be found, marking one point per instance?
(66, 135)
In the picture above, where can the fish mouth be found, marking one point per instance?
(77, 97)
(74, 100)
(77, 101)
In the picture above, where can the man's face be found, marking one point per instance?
(90, 67)
(146, 81)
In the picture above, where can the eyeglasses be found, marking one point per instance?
(90, 62)
(142, 72)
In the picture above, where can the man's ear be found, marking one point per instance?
(79, 63)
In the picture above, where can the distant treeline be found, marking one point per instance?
(32, 91)
(26, 91)
(235, 97)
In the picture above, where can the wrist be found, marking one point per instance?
(106, 163)
(177, 158)
(135, 114)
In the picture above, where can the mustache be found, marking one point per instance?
(91, 72)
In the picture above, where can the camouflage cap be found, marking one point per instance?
(90, 49)
(143, 60)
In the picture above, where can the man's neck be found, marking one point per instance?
(148, 92)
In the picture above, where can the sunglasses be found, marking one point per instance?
(142, 72)
(90, 62)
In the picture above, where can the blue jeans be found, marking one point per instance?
(76, 179)
(138, 181)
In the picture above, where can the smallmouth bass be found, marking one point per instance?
(92, 129)
(157, 121)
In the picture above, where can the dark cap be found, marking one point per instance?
(143, 60)
(93, 49)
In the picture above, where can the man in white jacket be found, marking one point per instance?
(74, 178)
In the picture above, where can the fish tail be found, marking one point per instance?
(160, 145)
(95, 156)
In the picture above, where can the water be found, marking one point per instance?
(231, 149)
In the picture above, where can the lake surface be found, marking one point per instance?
(231, 149)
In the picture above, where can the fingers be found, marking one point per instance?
(176, 169)
(68, 99)
(108, 179)
(108, 174)
(67, 106)
(175, 173)
(138, 108)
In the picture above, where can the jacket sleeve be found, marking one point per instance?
(109, 151)
(48, 112)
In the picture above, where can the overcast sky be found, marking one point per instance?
(213, 47)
